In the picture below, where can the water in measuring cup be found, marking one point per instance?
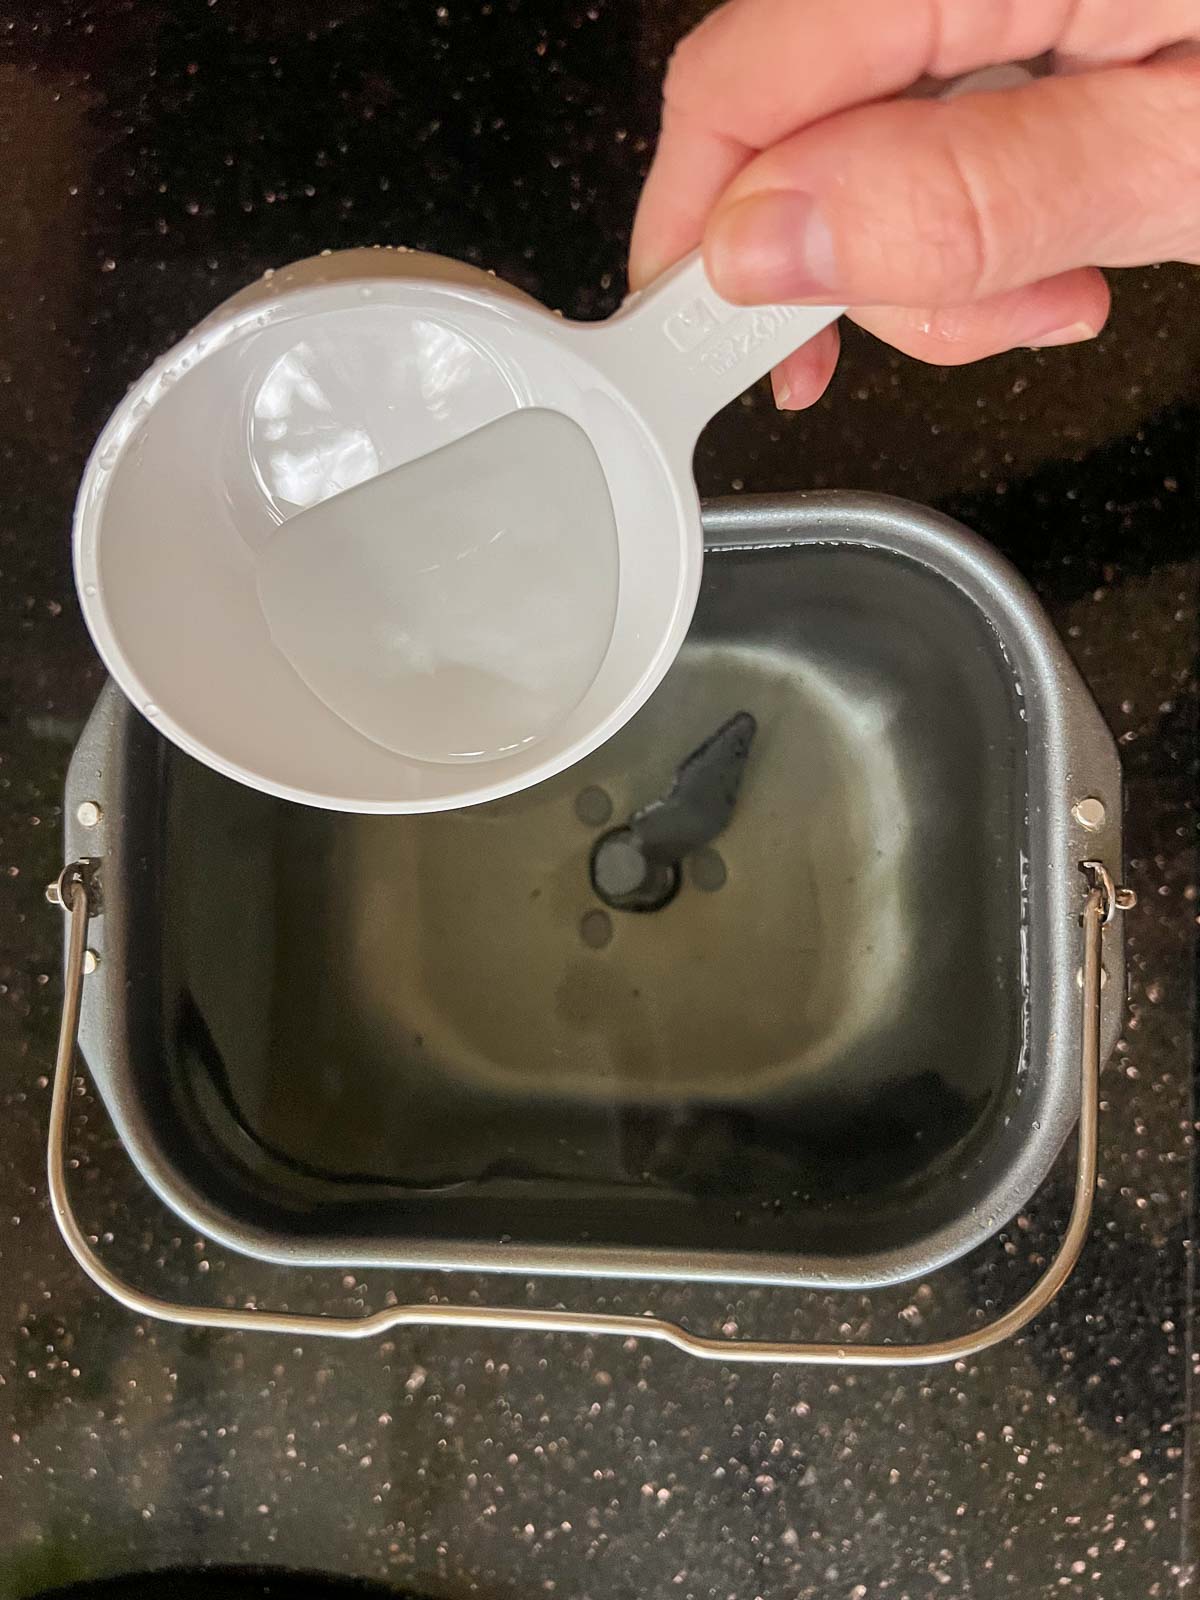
(459, 607)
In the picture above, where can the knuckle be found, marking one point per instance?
(960, 228)
(944, 338)
(922, 237)
(694, 68)
(684, 70)
(920, 211)
(948, 330)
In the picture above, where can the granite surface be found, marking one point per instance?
(154, 156)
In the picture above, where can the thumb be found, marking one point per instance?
(927, 203)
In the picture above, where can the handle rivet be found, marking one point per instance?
(1090, 814)
(1079, 977)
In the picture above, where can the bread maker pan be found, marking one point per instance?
(796, 980)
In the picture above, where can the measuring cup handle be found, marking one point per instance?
(683, 352)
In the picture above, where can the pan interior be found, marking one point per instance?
(432, 1027)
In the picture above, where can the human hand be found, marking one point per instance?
(958, 229)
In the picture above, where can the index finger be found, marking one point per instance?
(756, 71)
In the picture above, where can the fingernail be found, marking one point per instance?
(769, 247)
(1073, 333)
(781, 389)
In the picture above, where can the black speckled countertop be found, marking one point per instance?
(154, 156)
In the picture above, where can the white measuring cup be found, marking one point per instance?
(323, 377)
(320, 378)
